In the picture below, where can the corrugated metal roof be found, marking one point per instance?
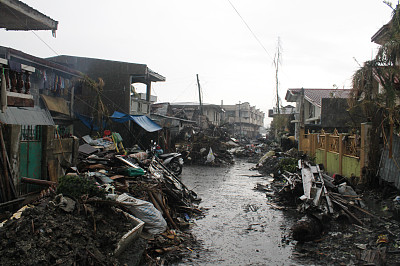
(315, 96)
(33, 116)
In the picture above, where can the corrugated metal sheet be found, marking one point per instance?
(33, 116)
(390, 167)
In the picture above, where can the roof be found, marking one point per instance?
(31, 116)
(15, 15)
(195, 104)
(37, 61)
(382, 34)
(140, 72)
(315, 96)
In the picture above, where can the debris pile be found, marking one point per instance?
(62, 230)
(207, 150)
(334, 220)
(86, 219)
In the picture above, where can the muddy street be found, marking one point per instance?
(239, 226)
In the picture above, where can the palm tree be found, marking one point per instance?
(376, 89)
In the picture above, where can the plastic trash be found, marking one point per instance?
(153, 220)
(210, 156)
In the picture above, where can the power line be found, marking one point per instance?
(22, 25)
(44, 42)
(251, 31)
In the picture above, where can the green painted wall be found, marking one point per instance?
(351, 165)
(333, 163)
(319, 156)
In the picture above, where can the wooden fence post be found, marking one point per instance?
(326, 149)
(341, 153)
(301, 138)
(365, 140)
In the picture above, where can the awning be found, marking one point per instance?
(31, 116)
(56, 104)
(142, 120)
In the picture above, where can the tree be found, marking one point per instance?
(376, 89)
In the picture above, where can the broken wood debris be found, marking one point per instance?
(320, 199)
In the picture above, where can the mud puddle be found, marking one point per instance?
(239, 227)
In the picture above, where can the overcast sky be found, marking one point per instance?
(178, 39)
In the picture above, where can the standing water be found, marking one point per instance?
(239, 227)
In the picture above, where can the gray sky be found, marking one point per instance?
(182, 38)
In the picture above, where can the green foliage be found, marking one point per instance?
(288, 164)
(77, 186)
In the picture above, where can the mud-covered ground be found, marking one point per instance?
(239, 227)
(47, 235)
(244, 226)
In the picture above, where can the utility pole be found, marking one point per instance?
(240, 124)
(277, 62)
(201, 105)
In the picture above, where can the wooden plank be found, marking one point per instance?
(37, 181)
(307, 178)
(328, 199)
(52, 169)
(317, 196)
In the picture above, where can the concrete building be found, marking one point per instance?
(118, 92)
(245, 120)
(212, 113)
(36, 106)
(319, 108)
(119, 79)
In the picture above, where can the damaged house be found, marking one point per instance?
(36, 108)
(113, 90)
(204, 114)
(318, 109)
(37, 114)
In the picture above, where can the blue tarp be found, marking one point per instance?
(142, 120)
(89, 122)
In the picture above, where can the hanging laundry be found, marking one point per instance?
(55, 83)
(59, 85)
(62, 83)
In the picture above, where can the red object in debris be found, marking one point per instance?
(107, 132)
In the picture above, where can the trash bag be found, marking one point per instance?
(210, 156)
(153, 220)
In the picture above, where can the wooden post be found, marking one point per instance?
(365, 140)
(313, 144)
(341, 151)
(326, 148)
(301, 139)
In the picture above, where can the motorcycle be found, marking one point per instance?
(173, 161)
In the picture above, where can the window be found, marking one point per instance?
(311, 111)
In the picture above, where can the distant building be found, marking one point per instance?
(191, 111)
(285, 110)
(245, 119)
(319, 108)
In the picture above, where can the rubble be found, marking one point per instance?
(89, 201)
(199, 145)
(335, 225)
